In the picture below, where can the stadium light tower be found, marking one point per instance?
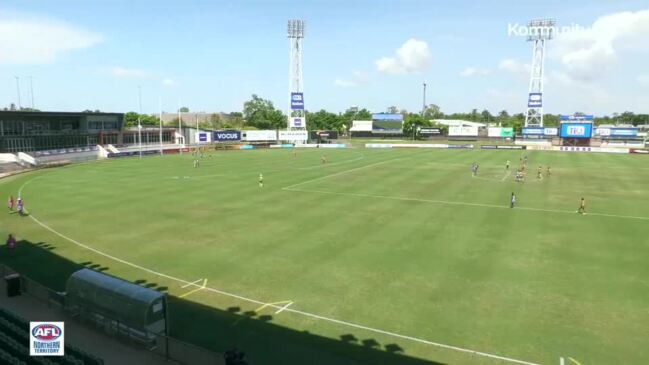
(18, 92)
(296, 113)
(539, 32)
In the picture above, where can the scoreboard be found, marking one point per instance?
(576, 130)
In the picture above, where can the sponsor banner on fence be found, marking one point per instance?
(332, 145)
(324, 134)
(536, 131)
(496, 147)
(293, 135)
(405, 145)
(226, 136)
(637, 150)
(539, 147)
(132, 153)
(246, 147)
(46, 339)
(576, 130)
(431, 131)
(285, 145)
(591, 149)
(203, 137)
(500, 132)
(459, 146)
(304, 145)
(297, 101)
(616, 132)
(463, 131)
(259, 135)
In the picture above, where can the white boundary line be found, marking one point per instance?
(344, 172)
(295, 311)
(509, 172)
(283, 308)
(445, 202)
(192, 283)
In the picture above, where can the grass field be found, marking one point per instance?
(400, 242)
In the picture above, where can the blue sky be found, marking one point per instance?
(212, 55)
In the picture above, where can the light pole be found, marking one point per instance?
(139, 116)
(423, 109)
(18, 91)
(31, 87)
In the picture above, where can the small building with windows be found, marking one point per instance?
(24, 131)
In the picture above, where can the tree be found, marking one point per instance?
(261, 113)
(474, 115)
(413, 122)
(363, 114)
(486, 116)
(393, 110)
(184, 109)
(324, 120)
(131, 119)
(551, 120)
(433, 111)
(503, 116)
(215, 121)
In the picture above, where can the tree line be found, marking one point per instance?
(259, 113)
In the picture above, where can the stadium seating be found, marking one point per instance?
(14, 337)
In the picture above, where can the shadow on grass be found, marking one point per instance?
(219, 330)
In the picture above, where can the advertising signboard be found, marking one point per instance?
(576, 130)
(298, 122)
(430, 131)
(500, 132)
(259, 135)
(297, 101)
(462, 131)
(226, 136)
(535, 100)
(302, 136)
(576, 118)
(616, 132)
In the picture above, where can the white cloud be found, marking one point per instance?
(28, 39)
(358, 78)
(643, 79)
(128, 72)
(412, 57)
(513, 66)
(473, 71)
(588, 53)
(168, 82)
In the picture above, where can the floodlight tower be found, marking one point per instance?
(296, 113)
(539, 31)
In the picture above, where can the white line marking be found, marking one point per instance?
(344, 172)
(192, 283)
(195, 290)
(506, 175)
(432, 201)
(295, 311)
(283, 308)
(362, 156)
